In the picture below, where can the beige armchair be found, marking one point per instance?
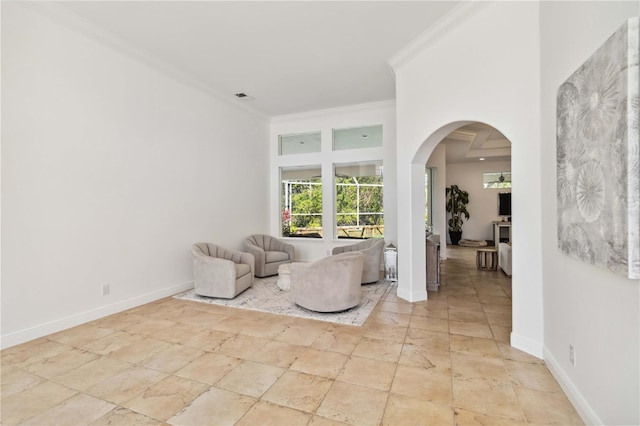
(269, 253)
(372, 248)
(221, 272)
(331, 284)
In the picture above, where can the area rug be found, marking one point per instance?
(265, 296)
(472, 243)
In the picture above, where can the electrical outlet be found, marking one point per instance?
(572, 355)
(105, 290)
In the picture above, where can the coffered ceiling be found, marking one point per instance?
(287, 56)
(475, 141)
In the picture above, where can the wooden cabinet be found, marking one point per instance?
(433, 262)
(501, 232)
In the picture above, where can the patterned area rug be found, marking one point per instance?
(265, 296)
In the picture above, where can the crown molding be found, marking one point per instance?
(435, 32)
(77, 23)
(391, 103)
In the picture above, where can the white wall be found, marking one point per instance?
(590, 308)
(325, 121)
(110, 171)
(440, 88)
(483, 203)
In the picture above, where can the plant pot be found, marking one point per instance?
(455, 237)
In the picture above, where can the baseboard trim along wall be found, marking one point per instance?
(527, 345)
(31, 333)
(415, 296)
(579, 402)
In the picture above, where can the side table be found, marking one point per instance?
(487, 259)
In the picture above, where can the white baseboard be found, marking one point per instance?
(31, 333)
(415, 296)
(579, 402)
(527, 345)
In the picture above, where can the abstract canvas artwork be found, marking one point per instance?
(598, 156)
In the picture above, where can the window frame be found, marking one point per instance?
(286, 199)
(360, 165)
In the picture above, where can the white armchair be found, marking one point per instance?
(269, 253)
(372, 248)
(220, 272)
(331, 284)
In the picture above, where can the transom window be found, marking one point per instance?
(496, 180)
(357, 137)
(299, 143)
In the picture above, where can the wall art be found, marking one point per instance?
(598, 156)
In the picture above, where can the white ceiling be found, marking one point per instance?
(290, 56)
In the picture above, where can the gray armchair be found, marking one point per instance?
(269, 253)
(221, 272)
(372, 248)
(331, 284)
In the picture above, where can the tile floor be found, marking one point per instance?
(444, 361)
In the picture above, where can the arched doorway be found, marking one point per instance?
(417, 144)
(477, 140)
(477, 158)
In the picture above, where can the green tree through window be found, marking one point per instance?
(301, 203)
(359, 200)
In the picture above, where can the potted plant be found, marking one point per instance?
(457, 201)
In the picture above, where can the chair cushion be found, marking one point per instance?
(242, 269)
(275, 256)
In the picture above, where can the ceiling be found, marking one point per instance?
(287, 56)
(474, 141)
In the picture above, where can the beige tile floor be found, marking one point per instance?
(440, 362)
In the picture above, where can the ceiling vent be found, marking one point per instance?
(243, 96)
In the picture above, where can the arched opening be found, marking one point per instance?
(476, 157)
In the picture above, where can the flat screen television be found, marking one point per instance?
(504, 204)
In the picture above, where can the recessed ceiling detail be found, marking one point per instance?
(477, 142)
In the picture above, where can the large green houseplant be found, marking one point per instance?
(457, 201)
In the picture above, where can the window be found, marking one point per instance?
(355, 184)
(299, 143)
(359, 200)
(357, 138)
(496, 180)
(301, 204)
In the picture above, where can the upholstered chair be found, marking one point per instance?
(372, 248)
(221, 272)
(331, 284)
(269, 253)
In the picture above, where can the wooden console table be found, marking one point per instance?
(433, 262)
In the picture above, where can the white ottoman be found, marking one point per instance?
(284, 277)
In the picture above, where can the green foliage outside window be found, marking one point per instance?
(358, 204)
(302, 205)
(365, 189)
